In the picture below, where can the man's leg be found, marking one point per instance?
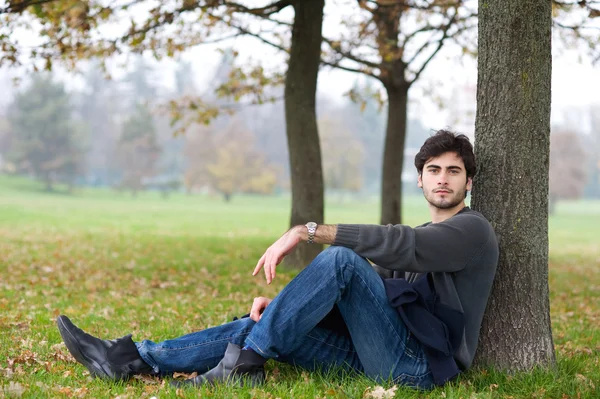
(339, 276)
(121, 358)
(197, 351)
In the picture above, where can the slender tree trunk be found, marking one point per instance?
(48, 181)
(512, 143)
(393, 155)
(301, 124)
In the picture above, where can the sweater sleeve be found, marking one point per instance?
(447, 246)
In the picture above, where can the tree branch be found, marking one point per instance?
(439, 46)
(261, 11)
(15, 8)
(575, 28)
(349, 55)
(349, 69)
(259, 37)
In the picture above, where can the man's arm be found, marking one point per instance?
(273, 256)
(447, 246)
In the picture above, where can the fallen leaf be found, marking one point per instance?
(14, 389)
(380, 392)
(146, 379)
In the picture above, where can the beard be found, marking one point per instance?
(450, 200)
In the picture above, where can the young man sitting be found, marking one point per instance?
(410, 300)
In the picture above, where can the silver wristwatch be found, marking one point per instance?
(312, 229)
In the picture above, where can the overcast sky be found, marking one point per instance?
(575, 83)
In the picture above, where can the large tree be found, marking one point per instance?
(512, 145)
(301, 123)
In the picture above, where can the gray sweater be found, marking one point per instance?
(461, 253)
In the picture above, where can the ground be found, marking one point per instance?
(159, 268)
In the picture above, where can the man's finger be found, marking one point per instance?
(268, 273)
(254, 314)
(259, 265)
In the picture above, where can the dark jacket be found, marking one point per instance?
(439, 328)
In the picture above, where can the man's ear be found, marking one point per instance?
(420, 181)
(469, 183)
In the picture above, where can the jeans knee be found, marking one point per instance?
(342, 256)
(337, 251)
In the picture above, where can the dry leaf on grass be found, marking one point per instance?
(147, 379)
(14, 389)
(185, 376)
(380, 392)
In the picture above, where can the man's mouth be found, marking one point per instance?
(442, 191)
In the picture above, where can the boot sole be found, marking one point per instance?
(73, 347)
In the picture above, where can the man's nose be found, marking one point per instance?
(442, 180)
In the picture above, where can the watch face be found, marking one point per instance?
(311, 225)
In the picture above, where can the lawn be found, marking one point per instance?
(159, 268)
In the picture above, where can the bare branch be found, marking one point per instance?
(349, 69)
(425, 28)
(575, 28)
(437, 49)
(348, 54)
(15, 8)
(259, 37)
(445, 34)
(412, 5)
(260, 11)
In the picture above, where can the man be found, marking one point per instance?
(414, 316)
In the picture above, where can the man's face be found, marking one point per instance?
(444, 181)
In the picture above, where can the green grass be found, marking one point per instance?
(160, 268)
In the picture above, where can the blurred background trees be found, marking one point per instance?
(568, 167)
(390, 44)
(227, 161)
(46, 142)
(137, 150)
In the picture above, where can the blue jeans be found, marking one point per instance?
(379, 344)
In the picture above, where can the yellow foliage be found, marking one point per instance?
(229, 161)
(343, 157)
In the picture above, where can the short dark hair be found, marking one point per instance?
(446, 141)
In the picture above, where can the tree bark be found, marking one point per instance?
(393, 155)
(512, 144)
(393, 69)
(301, 124)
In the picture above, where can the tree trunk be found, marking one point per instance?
(301, 124)
(512, 143)
(393, 155)
(48, 181)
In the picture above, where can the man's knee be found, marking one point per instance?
(341, 256)
(335, 250)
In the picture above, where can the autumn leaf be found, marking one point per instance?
(14, 389)
(380, 392)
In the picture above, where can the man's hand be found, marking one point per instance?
(258, 307)
(276, 252)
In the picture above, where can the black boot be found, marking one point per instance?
(115, 360)
(237, 366)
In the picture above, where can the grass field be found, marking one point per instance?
(160, 268)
